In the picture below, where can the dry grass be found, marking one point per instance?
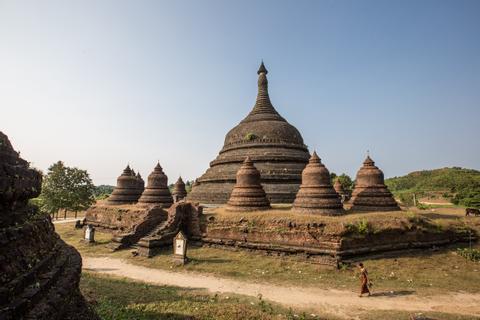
(119, 298)
(116, 298)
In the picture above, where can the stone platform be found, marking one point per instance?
(128, 222)
(150, 227)
(326, 240)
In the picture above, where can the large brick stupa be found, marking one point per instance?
(275, 146)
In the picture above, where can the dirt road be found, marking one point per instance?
(336, 302)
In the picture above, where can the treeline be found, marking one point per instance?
(102, 191)
(459, 185)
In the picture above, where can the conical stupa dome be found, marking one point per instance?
(141, 183)
(127, 189)
(179, 192)
(276, 147)
(338, 187)
(370, 192)
(316, 194)
(157, 191)
(248, 194)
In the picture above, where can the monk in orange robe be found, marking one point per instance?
(363, 280)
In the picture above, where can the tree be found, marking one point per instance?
(103, 191)
(65, 188)
(345, 180)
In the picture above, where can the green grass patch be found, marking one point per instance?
(117, 299)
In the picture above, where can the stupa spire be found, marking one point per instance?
(263, 105)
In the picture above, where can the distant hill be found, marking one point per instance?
(460, 185)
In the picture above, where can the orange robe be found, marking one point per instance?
(364, 282)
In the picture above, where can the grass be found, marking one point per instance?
(116, 298)
(425, 272)
(122, 299)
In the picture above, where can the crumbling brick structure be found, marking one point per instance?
(248, 194)
(370, 192)
(316, 194)
(39, 273)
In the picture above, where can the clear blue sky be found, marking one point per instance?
(99, 84)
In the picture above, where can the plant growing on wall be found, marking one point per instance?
(250, 136)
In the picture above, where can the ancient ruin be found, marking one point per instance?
(370, 192)
(141, 183)
(344, 196)
(248, 193)
(181, 216)
(157, 191)
(40, 274)
(179, 192)
(316, 194)
(274, 145)
(128, 188)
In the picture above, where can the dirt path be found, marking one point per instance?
(341, 303)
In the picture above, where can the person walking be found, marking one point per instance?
(364, 280)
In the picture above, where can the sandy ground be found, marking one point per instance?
(68, 220)
(342, 303)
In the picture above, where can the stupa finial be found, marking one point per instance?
(262, 69)
(314, 158)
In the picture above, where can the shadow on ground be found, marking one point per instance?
(392, 293)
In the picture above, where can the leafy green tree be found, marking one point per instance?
(345, 180)
(68, 189)
(103, 191)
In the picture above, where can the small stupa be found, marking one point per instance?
(248, 193)
(340, 190)
(141, 183)
(370, 192)
(316, 194)
(179, 192)
(157, 191)
(127, 189)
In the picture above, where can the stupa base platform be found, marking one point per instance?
(359, 208)
(322, 212)
(128, 223)
(328, 240)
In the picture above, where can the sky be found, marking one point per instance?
(99, 84)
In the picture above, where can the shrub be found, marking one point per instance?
(363, 227)
(469, 254)
(422, 206)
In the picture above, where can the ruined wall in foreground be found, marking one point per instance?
(39, 273)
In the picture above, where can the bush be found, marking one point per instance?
(422, 206)
(470, 254)
(361, 227)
